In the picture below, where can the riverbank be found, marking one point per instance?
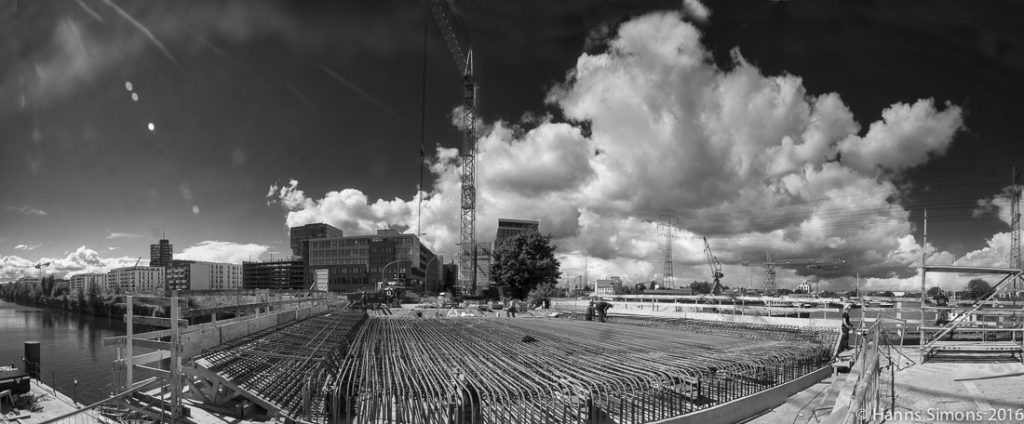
(97, 304)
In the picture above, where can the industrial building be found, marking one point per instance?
(81, 282)
(286, 274)
(359, 262)
(300, 237)
(508, 228)
(136, 279)
(199, 275)
(161, 254)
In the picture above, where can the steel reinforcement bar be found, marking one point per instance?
(466, 370)
(287, 366)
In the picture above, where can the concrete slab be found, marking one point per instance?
(803, 406)
(947, 392)
(54, 404)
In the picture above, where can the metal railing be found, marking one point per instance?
(865, 404)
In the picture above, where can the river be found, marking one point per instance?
(71, 344)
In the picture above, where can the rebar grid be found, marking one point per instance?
(480, 370)
(287, 366)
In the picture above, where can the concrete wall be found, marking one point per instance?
(194, 342)
(746, 407)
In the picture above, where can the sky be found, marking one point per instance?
(813, 128)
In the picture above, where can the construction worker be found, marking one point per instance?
(844, 341)
(547, 303)
(511, 309)
(602, 310)
(590, 311)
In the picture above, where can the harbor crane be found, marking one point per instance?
(716, 268)
(462, 52)
(770, 263)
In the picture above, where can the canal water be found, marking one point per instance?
(71, 344)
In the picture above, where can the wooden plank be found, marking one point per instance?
(157, 321)
(120, 340)
(151, 344)
(163, 373)
(147, 358)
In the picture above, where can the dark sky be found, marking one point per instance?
(243, 95)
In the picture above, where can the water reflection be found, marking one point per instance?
(72, 347)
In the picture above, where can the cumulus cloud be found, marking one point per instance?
(697, 10)
(998, 205)
(749, 160)
(26, 210)
(27, 247)
(222, 251)
(81, 260)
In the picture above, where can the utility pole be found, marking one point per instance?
(1015, 256)
(668, 224)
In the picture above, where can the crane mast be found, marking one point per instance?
(462, 53)
(716, 268)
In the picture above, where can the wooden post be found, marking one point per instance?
(924, 258)
(175, 370)
(128, 365)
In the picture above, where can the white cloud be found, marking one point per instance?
(998, 205)
(82, 259)
(697, 10)
(26, 210)
(117, 235)
(27, 247)
(747, 159)
(195, 209)
(222, 251)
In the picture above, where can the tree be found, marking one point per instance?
(700, 287)
(978, 288)
(888, 294)
(932, 292)
(525, 261)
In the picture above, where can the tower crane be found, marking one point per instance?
(716, 268)
(462, 52)
(769, 273)
(39, 268)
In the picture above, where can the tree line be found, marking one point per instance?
(93, 300)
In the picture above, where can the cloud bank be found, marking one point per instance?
(222, 251)
(653, 124)
(84, 259)
(81, 260)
